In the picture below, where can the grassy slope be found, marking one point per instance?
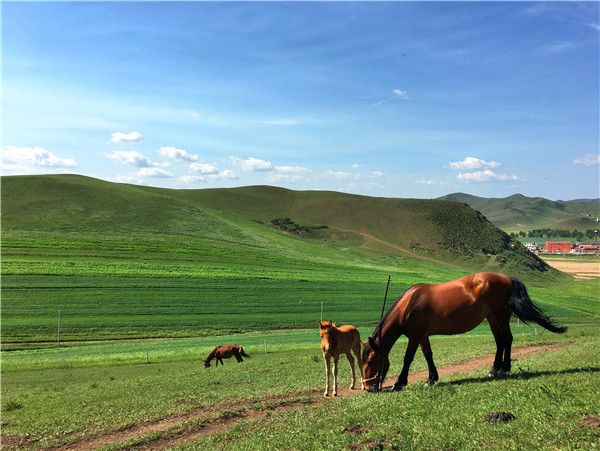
(127, 261)
(518, 212)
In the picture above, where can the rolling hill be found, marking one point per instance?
(433, 229)
(518, 212)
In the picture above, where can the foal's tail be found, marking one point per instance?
(242, 352)
(522, 306)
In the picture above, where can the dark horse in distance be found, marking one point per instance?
(449, 308)
(225, 352)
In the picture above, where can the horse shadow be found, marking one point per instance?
(521, 374)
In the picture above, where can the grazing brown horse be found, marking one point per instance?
(334, 342)
(225, 352)
(449, 308)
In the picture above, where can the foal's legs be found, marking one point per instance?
(402, 380)
(238, 357)
(426, 348)
(351, 361)
(327, 359)
(335, 374)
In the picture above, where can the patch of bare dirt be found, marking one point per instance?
(579, 270)
(591, 421)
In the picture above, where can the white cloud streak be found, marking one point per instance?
(204, 168)
(252, 164)
(487, 175)
(131, 157)
(473, 163)
(175, 153)
(34, 156)
(126, 138)
(589, 159)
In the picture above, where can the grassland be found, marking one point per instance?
(127, 265)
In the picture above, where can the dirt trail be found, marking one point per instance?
(578, 269)
(200, 422)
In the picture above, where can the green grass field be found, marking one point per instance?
(127, 265)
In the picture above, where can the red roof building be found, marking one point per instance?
(558, 246)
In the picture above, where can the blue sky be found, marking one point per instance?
(384, 99)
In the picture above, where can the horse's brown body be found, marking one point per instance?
(446, 308)
(336, 341)
(225, 352)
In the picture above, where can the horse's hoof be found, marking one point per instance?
(430, 382)
(398, 387)
(335, 394)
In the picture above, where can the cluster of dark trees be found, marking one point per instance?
(290, 226)
(554, 233)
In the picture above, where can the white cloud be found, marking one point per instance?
(355, 166)
(204, 168)
(126, 138)
(174, 152)
(34, 156)
(131, 157)
(589, 159)
(473, 163)
(190, 179)
(340, 175)
(377, 173)
(154, 172)
(252, 164)
(595, 26)
(291, 169)
(431, 182)
(486, 175)
(400, 94)
(227, 174)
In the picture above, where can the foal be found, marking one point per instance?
(336, 341)
(225, 352)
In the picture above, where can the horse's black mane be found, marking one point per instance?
(377, 330)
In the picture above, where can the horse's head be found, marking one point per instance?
(374, 365)
(206, 364)
(327, 341)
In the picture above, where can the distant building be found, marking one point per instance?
(533, 247)
(589, 248)
(558, 247)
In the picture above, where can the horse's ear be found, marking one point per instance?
(321, 324)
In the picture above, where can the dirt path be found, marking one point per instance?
(186, 427)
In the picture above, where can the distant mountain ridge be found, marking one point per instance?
(519, 212)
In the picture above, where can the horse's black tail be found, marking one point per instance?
(242, 352)
(521, 305)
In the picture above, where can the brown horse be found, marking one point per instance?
(334, 342)
(225, 352)
(449, 308)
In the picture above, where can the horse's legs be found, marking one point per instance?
(409, 355)
(351, 361)
(327, 360)
(507, 348)
(335, 374)
(426, 348)
(501, 329)
(238, 357)
(219, 359)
